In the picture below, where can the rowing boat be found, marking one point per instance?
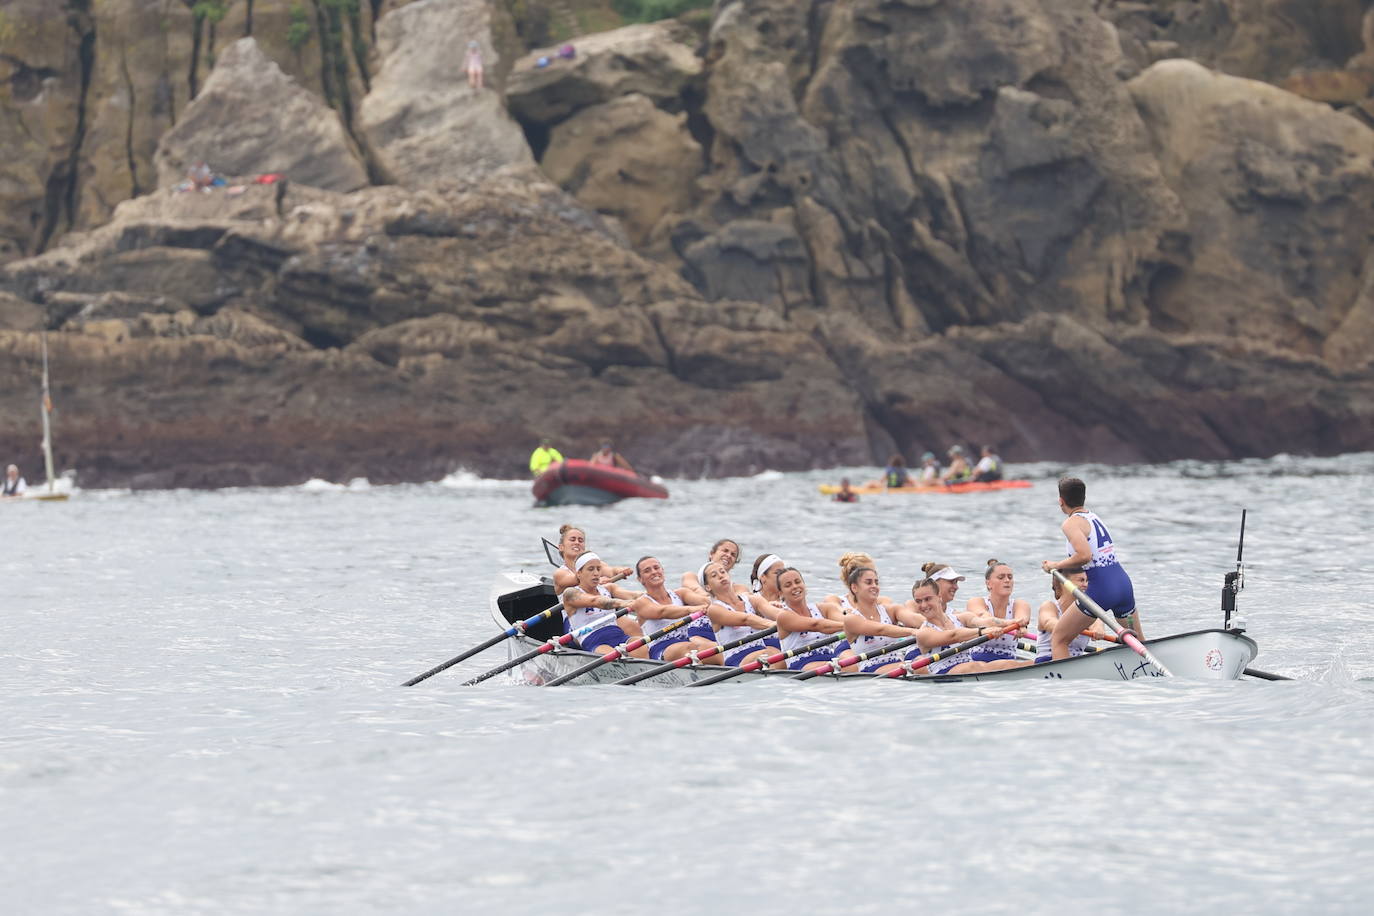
(829, 489)
(1216, 655)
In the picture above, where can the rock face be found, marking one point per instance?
(656, 60)
(423, 122)
(251, 118)
(845, 229)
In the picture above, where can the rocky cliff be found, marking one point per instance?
(821, 232)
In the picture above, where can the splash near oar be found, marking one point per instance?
(839, 664)
(923, 661)
(557, 642)
(1124, 634)
(625, 649)
(517, 629)
(773, 659)
(694, 657)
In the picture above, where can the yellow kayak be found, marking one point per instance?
(829, 489)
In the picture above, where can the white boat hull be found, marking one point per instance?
(1215, 655)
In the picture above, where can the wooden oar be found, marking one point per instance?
(773, 659)
(696, 656)
(625, 649)
(515, 630)
(1095, 609)
(837, 664)
(549, 646)
(922, 661)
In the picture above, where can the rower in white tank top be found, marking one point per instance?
(802, 638)
(1003, 646)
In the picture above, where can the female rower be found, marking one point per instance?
(588, 601)
(849, 562)
(572, 541)
(940, 631)
(734, 615)
(1050, 612)
(658, 607)
(996, 610)
(870, 626)
(763, 578)
(944, 577)
(800, 623)
(725, 552)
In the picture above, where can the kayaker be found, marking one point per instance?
(958, 470)
(846, 494)
(14, 485)
(802, 622)
(590, 600)
(572, 541)
(607, 456)
(989, 466)
(658, 607)
(544, 456)
(1091, 547)
(996, 610)
(1050, 612)
(733, 615)
(939, 630)
(725, 552)
(895, 474)
(930, 469)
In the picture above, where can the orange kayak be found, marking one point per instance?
(830, 489)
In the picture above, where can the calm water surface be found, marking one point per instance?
(201, 713)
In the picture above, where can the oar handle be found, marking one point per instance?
(839, 664)
(773, 659)
(546, 647)
(923, 661)
(691, 657)
(624, 649)
(1096, 610)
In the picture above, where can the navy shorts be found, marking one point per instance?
(1111, 588)
(604, 636)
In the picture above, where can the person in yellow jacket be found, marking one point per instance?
(543, 456)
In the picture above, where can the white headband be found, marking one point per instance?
(766, 564)
(584, 560)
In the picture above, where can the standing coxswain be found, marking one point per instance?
(1091, 547)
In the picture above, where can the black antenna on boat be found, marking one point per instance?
(1235, 582)
(549, 556)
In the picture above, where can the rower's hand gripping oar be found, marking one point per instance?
(626, 648)
(517, 629)
(1095, 609)
(839, 664)
(566, 639)
(696, 656)
(922, 661)
(773, 659)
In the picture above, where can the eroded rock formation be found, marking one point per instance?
(831, 231)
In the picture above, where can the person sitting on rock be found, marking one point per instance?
(988, 468)
(474, 65)
(607, 456)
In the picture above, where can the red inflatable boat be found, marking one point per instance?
(581, 483)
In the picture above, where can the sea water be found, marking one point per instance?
(200, 711)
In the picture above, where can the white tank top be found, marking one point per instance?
(944, 664)
(862, 644)
(1044, 643)
(652, 626)
(1003, 646)
(1099, 541)
(802, 638)
(584, 615)
(730, 634)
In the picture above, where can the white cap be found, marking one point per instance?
(947, 573)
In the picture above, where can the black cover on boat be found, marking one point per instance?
(525, 603)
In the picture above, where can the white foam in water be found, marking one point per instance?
(768, 475)
(320, 485)
(359, 483)
(463, 479)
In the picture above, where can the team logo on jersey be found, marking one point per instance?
(1213, 660)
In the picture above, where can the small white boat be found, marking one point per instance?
(1216, 655)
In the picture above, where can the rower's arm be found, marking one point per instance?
(931, 638)
(647, 608)
(763, 607)
(907, 615)
(1021, 611)
(859, 625)
(1075, 528)
(564, 578)
(792, 622)
(1048, 617)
